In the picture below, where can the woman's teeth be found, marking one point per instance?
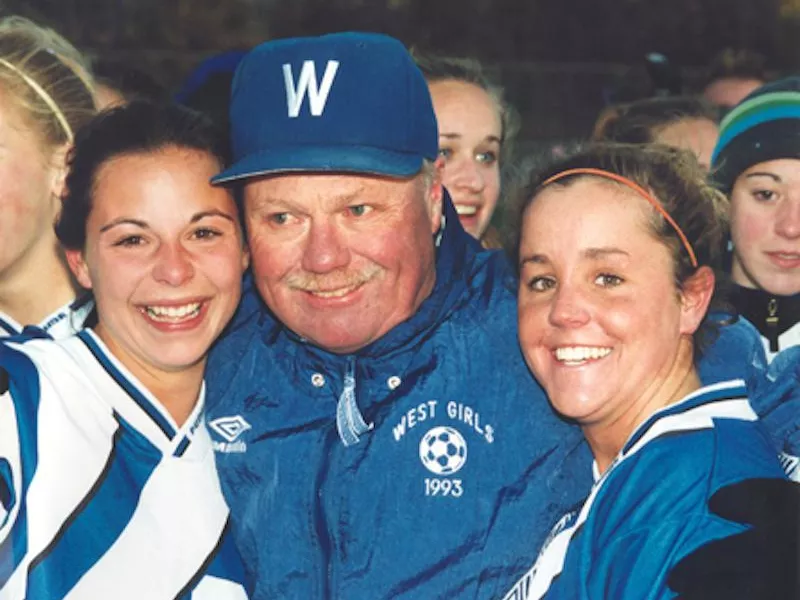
(173, 313)
(574, 354)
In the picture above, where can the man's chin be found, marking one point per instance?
(340, 344)
(345, 337)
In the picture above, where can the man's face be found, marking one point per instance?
(341, 259)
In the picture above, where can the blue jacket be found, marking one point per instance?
(456, 467)
(452, 490)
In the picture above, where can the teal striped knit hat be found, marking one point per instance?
(764, 126)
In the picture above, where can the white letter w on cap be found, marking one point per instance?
(307, 84)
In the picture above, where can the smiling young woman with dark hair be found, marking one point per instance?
(107, 479)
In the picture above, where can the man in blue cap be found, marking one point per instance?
(377, 432)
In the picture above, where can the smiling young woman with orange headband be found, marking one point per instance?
(617, 256)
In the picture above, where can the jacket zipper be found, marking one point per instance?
(772, 324)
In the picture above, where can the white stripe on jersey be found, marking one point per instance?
(211, 588)
(789, 338)
(122, 503)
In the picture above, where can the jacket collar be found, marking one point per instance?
(771, 314)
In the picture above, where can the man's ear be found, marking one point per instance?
(79, 268)
(695, 298)
(436, 195)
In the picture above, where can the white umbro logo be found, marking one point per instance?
(230, 428)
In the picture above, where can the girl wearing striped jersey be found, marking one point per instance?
(617, 254)
(108, 487)
(46, 94)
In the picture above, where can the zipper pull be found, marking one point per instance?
(772, 324)
(349, 420)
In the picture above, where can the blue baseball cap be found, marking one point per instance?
(345, 102)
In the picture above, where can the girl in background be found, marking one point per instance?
(476, 132)
(757, 163)
(678, 121)
(45, 96)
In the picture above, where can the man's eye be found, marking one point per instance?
(279, 218)
(358, 210)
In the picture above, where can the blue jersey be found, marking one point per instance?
(650, 508)
(102, 495)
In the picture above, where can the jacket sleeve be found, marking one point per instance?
(760, 562)
(636, 566)
(774, 392)
(773, 388)
(734, 352)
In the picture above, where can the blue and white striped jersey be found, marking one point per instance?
(102, 495)
(650, 507)
(64, 322)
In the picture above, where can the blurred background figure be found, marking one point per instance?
(757, 162)
(679, 121)
(118, 82)
(654, 76)
(732, 75)
(46, 95)
(476, 132)
(207, 89)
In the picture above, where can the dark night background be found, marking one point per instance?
(559, 59)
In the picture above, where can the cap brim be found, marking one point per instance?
(363, 160)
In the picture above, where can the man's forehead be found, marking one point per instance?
(324, 187)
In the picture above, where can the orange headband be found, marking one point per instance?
(636, 188)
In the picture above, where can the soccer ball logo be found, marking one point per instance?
(443, 451)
